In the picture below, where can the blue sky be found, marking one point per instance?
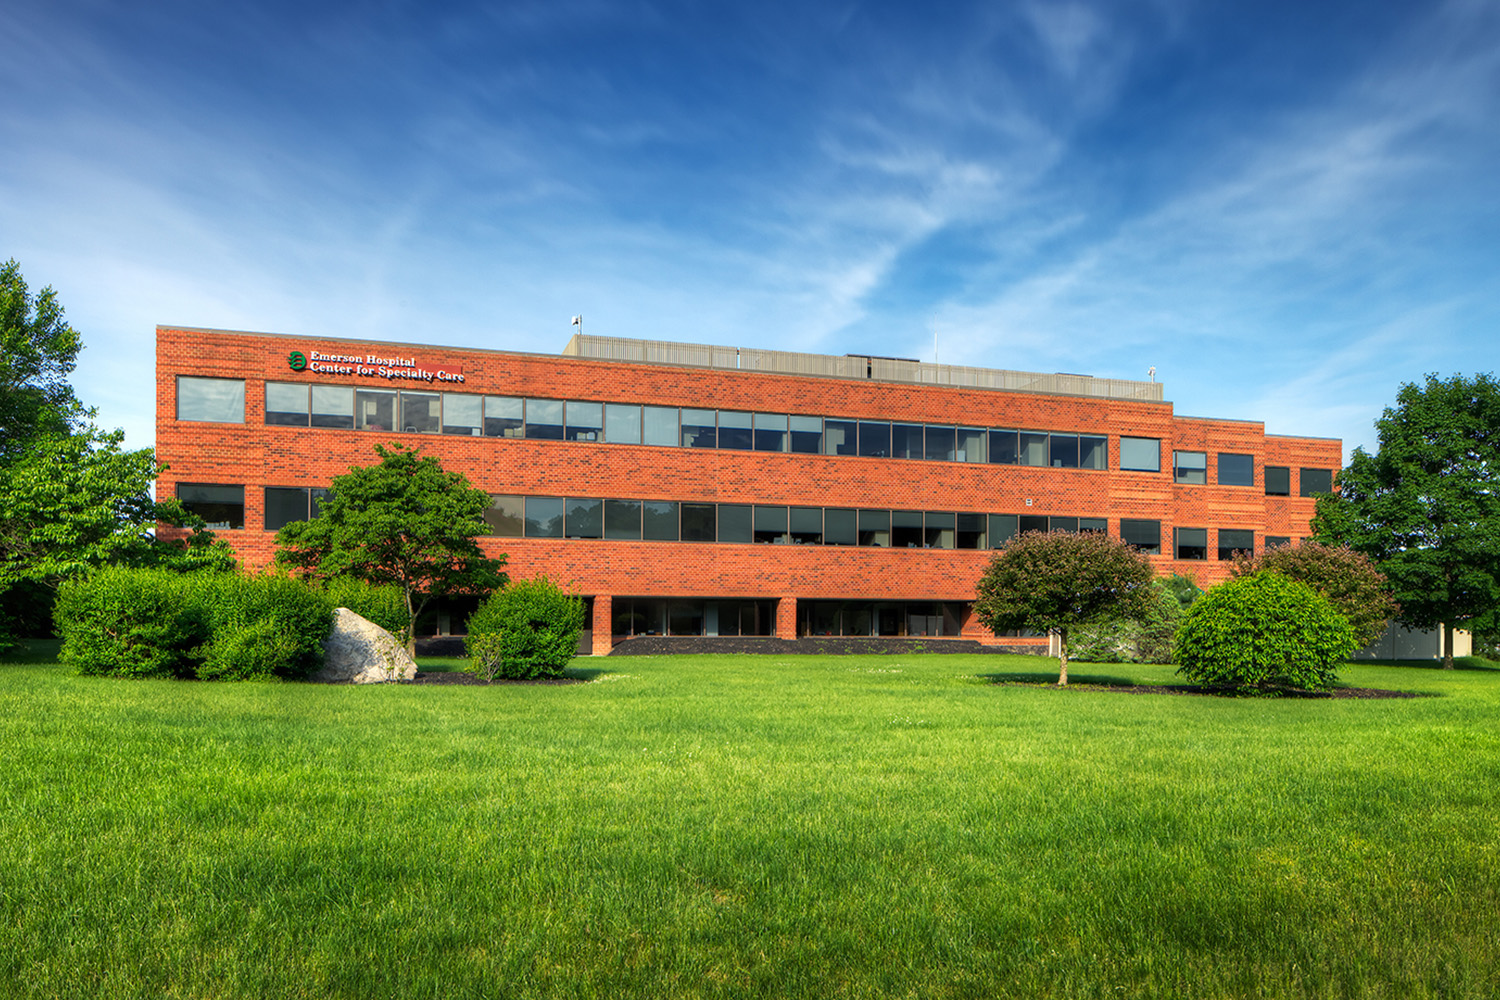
(1287, 208)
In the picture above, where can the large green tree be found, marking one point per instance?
(38, 351)
(402, 521)
(1059, 581)
(1426, 505)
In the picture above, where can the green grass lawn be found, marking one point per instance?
(748, 826)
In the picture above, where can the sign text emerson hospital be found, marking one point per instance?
(689, 490)
(370, 366)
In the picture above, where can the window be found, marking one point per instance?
(1232, 541)
(1003, 448)
(807, 525)
(770, 432)
(659, 520)
(875, 528)
(1190, 467)
(1064, 524)
(1033, 448)
(699, 429)
(1140, 454)
(971, 533)
(874, 439)
(659, 426)
(735, 430)
(1093, 525)
(1065, 451)
(699, 523)
(807, 435)
(221, 506)
(1002, 529)
(1276, 541)
(1143, 536)
(622, 519)
(906, 529)
(333, 406)
(770, 525)
(544, 419)
(1278, 481)
(285, 504)
(463, 414)
(217, 400)
(506, 516)
(939, 530)
(840, 526)
(839, 437)
(1093, 452)
(286, 404)
(544, 517)
(421, 412)
(585, 518)
(736, 523)
(941, 442)
(970, 445)
(1034, 522)
(622, 423)
(906, 441)
(502, 417)
(1236, 470)
(1191, 543)
(375, 409)
(1315, 481)
(585, 421)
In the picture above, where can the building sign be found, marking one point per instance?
(372, 366)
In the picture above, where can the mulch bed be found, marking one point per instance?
(1196, 689)
(464, 677)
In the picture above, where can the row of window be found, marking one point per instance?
(673, 521)
(633, 616)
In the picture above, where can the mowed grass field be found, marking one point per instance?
(899, 826)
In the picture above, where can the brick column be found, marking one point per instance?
(786, 618)
(604, 623)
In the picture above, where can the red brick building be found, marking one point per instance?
(713, 491)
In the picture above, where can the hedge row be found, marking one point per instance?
(210, 626)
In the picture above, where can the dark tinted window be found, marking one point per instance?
(285, 505)
(1065, 451)
(502, 416)
(1315, 481)
(220, 506)
(622, 519)
(807, 525)
(770, 525)
(1033, 448)
(874, 439)
(736, 430)
(699, 523)
(1142, 535)
(938, 530)
(1278, 481)
(971, 531)
(699, 429)
(1192, 543)
(906, 440)
(1093, 452)
(544, 419)
(840, 526)
(544, 517)
(375, 410)
(875, 528)
(1002, 529)
(421, 412)
(1003, 448)
(1035, 522)
(506, 516)
(585, 518)
(1094, 524)
(659, 520)
(1235, 540)
(940, 443)
(906, 529)
(839, 437)
(735, 523)
(1236, 470)
(807, 435)
(770, 432)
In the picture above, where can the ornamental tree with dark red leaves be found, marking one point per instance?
(1057, 581)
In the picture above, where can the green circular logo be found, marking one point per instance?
(297, 360)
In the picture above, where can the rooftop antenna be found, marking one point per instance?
(934, 347)
(578, 322)
(1149, 371)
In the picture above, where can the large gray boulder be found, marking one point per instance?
(360, 652)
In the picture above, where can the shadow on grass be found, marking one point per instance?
(1039, 677)
(585, 673)
(34, 652)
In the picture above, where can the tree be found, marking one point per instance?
(78, 502)
(402, 521)
(1426, 505)
(1059, 581)
(38, 351)
(1348, 579)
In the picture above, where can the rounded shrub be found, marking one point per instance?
(131, 623)
(383, 605)
(1263, 632)
(262, 626)
(527, 629)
